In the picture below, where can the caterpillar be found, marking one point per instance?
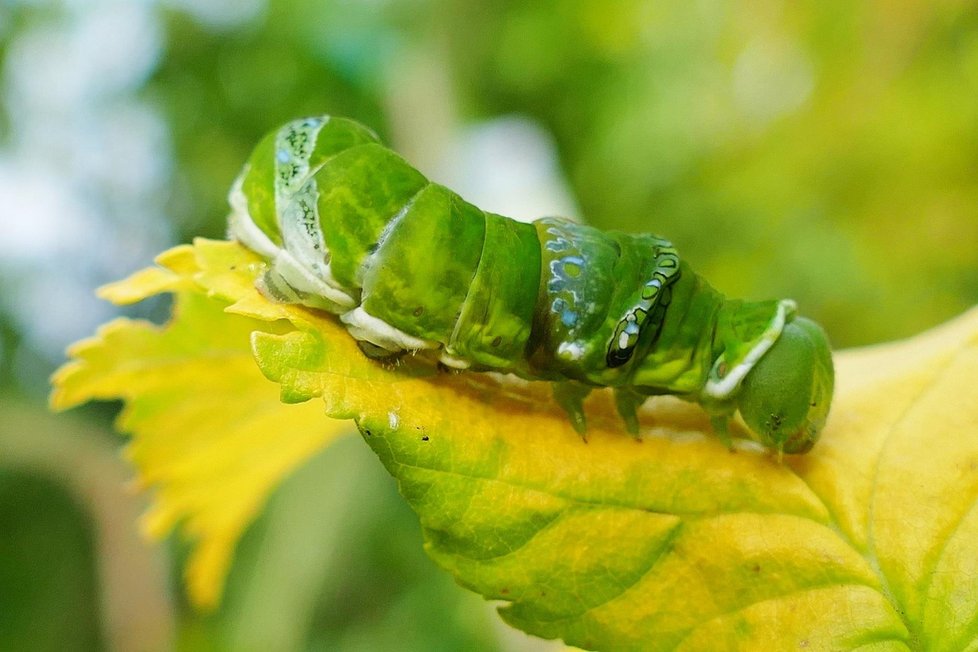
(347, 226)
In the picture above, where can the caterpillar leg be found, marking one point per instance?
(379, 353)
(627, 400)
(721, 428)
(570, 396)
(286, 281)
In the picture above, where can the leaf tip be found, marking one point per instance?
(138, 286)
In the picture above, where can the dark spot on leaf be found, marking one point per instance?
(424, 438)
(418, 311)
(756, 568)
(497, 340)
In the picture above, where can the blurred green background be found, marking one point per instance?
(826, 151)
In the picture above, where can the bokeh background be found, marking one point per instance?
(826, 151)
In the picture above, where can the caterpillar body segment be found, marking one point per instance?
(349, 227)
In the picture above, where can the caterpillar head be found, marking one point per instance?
(784, 399)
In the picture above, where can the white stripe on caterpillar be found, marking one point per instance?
(240, 225)
(364, 326)
(722, 387)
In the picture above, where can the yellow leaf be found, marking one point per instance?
(209, 434)
(673, 542)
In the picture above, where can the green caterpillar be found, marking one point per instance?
(349, 227)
